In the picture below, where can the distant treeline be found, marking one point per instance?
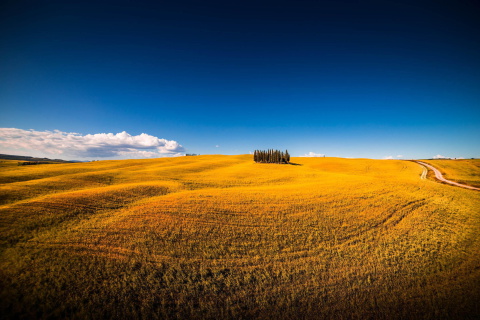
(29, 163)
(271, 156)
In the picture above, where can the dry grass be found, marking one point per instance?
(223, 237)
(463, 171)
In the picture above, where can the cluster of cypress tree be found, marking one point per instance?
(271, 156)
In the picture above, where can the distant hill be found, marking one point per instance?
(27, 158)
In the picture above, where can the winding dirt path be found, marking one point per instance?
(440, 177)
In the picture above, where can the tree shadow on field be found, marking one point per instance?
(295, 164)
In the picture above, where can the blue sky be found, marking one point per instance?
(343, 78)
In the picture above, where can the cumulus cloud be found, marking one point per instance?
(439, 156)
(313, 154)
(100, 145)
(388, 158)
(399, 156)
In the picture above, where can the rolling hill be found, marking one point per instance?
(222, 237)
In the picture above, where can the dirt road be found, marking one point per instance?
(440, 177)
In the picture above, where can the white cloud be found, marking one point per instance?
(74, 145)
(388, 158)
(217, 146)
(439, 156)
(399, 156)
(313, 154)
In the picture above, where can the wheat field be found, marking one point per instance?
(463, 171)
(222, 237)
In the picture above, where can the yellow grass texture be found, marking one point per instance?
(461, 170)
(222, 237)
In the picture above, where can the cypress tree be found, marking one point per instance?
(271, 156)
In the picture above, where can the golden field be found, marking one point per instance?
(463, 171)
(222, 237)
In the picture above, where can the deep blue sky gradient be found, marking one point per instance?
(342, 78)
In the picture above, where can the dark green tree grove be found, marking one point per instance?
(271, 156)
